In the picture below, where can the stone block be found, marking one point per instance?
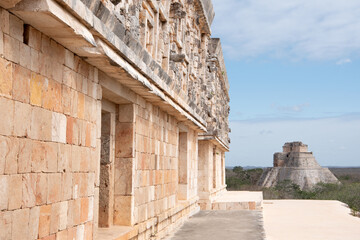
(74, 103)
(67, 186)
(74, 212)
(69, 59)
(88, 111)
(32, 37)
(88, 134)
(20, 224)
(84, 210)
(11, 49)
(83, 185)
(54, 187)
(50, 237)
(15, 192)
(64, 158)
(123, 210)
(38, 161)
(56, 71)
(127, 113)
(252, 205)
(9, 147)
(6, 81)
(25, 56)
(91, 208)
(5, 225)
(45, 65)
(142, 213)
(78, 81)
(22, 119)
(58, 52)
(85, 159)
(4, 192)
(76, 185)
(69, 77)
(88, 231)
(62, 235)
(24, 155)
(41, 188)
(45, 45)
(93, 135)
(69, 130)
(16, 28)
(55, 218)
(52, 95)
(84, 86)
(4, 21)
(29, 190)
(36, 84)
(41, 124)
(63, 215)
(1, 44)
(66, 100)
(76, 158)
(44, 220)
(124, 170)
(80, 232)
(79, 128)
(51, 156)
(81, 105)
(124, 140)
(34, 222)
(35, 60)
(71, 233)
(58, 133)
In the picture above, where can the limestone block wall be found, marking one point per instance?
(49, 136)
(106, 133)
(148, 192)
(211, 179)
(156, 162)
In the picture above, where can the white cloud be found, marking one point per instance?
(296, 29)
(343, 61)
(294, 108)
(265, 132)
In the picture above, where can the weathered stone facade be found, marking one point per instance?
(113, 117)
(299, 166)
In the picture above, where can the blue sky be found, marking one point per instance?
(294, 73)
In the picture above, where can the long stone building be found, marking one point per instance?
(114, 117)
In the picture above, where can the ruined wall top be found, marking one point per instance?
(217, 99)
(295, 147)
(176, 37)
(295, 154)
(164, 45)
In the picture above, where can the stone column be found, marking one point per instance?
(124, 166)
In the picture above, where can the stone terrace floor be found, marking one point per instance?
(309, 220)
(279, 220)
(222, 224)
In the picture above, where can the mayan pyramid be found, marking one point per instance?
(299, 166)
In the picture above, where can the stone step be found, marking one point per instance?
(239, 200)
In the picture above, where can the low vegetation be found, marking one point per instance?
(348, 191)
